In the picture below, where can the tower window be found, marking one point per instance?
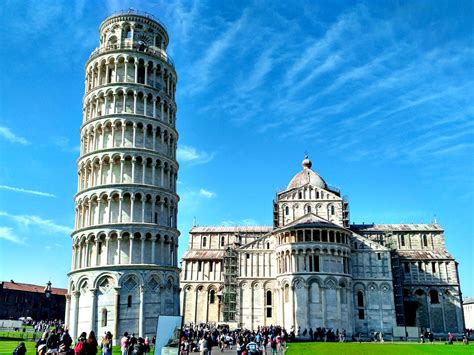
(360, 299)
(402, 240)
(269, 298)
(316, 263)
(222, 241)
(204, 242)
(129, 301)
(104, 317)
(407, 267)
(332, 210)
(212, 297)
(434, 298)
(287, 210)
(425, 240)
(199, 266)
(309, 209)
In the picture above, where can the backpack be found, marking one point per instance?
(78, 347)
(20, 349)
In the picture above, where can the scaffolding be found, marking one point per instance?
(397, 273)
(229, 293)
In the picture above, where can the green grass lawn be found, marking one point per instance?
(369, 348)
(7, 347)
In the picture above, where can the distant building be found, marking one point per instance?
(468, 307)
(313, 268)
(35, 301)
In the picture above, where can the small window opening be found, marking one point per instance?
(129, 301)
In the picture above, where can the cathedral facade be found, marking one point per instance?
(313, 268)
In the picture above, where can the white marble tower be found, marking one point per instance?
(124, 269)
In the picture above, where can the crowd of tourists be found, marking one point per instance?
(202, 338)
(44, 325)
(205, 337)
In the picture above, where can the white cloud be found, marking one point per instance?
(243, 222)
(7, 233)
(26, 191)
(65, 145)
(191, 155)
(44, 225)
(12, 137)
(207, 194)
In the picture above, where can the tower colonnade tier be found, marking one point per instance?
(124, 257)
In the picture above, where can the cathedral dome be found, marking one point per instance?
(306, 176)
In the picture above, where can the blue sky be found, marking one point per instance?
(379, 93)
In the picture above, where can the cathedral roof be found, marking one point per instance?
(425, 254)
(395, 227)
(203, 254)
(231, 229)
(306, 176)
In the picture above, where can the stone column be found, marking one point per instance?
(206, 312)
(141, 316)
(93, 309)
(142, 251)
(119, 249)
(76, 295)
(120, 209)
(97, 255)
(323, 304)
(338, 305)
(153, 247)
(132, 208)
(146, 73)
(130, 252)
(117, 314)
(68, 311)
(441, 297)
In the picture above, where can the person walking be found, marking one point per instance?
(124, 344)
(90, 345)
(106, 345)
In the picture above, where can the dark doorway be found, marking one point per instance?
(410, 313)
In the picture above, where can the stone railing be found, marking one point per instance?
(139, 47)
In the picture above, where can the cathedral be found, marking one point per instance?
(313, 268)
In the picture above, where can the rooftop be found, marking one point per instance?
(395, 227)
(15, 286)
(231, 229)
(425, 254)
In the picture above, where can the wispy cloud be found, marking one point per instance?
(64, 144)
(45, 225)
(243, 222)
(204, 68)
(8, 135)
(189, 154)
(206, 193)
(8, 234)
(26, 191)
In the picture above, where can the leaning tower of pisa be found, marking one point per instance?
(124, 269)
